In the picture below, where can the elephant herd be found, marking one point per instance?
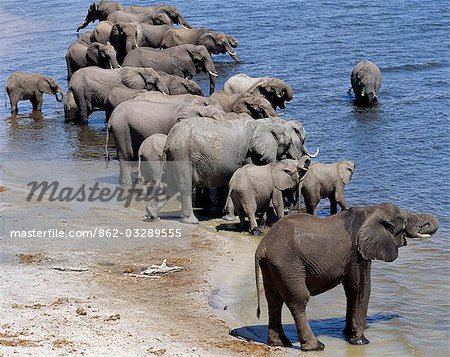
(138, 68)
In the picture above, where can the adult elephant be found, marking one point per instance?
(303, 256)
(256, 106)
(276, 91)
(135, 120)
(171, 11)
(183, 61)
(91, 85)
(100, 11)
(175, 85)
(366, 82)
(152, 18)
(80, 55)
(215, 42)
(213, 150)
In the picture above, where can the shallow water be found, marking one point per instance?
(401, 147)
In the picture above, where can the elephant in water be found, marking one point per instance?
(366, 82)
(326, 181)
(91, 85)
(99, 11)
(303, 256)
(31, 86)
(274, 90)
(216, 149)
(183, 61)
(80, 55)
(215, 42)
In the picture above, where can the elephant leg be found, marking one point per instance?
(333, 205)
(38, 100)
(311, 205)
(276, 335)
(242, 222)
(183, 179)
(13, 100)
(357, 291)
(250, 211)
(339, 197)
(278, 203)
(125, 167)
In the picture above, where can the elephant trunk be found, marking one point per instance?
(209, 67)
(113, 63)
(184, 23)
(421, 225)
(162, 88)
(59, 91)
(233, 54)
(306, 152)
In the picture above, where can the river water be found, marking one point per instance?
(401, 146)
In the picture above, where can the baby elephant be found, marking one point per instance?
(151, 150)
(253, 187)
(31, 86)
(326, 181)
(366, 82)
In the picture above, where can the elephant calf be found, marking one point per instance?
(366, 82)
(252, 188)
(326, 181)
(151, 151)
(31, 86)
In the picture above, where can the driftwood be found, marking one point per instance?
(154, 271)
(61, 268)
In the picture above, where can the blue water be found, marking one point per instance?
(401, 146)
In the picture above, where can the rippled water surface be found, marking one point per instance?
(401, 147)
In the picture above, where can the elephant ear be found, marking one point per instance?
(44, 85)
(375, 238)
(132, 78)
(264, 143)
(208, 41)
(93, 53)
(282, 175)
(345, 169)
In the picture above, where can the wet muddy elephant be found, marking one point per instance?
(303, 256)
(366, 82)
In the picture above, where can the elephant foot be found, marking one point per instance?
(319, 346)
(152, 212)
(361, 340)
(189, 220)
(256, 231)
(230, 217)
(278, 339)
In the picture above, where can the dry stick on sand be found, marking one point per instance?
(153, 270)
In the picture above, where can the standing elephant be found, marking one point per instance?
(99, 11)
(252, 188)
(31, 86)
(216, 149)
(215, 42)
(135, 120)
(326, 181)
(303, 256)
(274, 90)
(151, 152)
(256, 106)
(91, 85)
(183, 61)
(171, 11)
(80, 55)
(366, 82)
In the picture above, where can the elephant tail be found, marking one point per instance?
(257, 273)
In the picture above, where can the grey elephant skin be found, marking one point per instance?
(99, 11)
(215, 42)
(276, 91)
(102, 32)
(91, 85)
(172, 12)
(366, 82)
(80, 55)
(326, 180)
(135, 120)
(303, 255)
(150, 162)
(183, 61)
(252, 188)
(31, 86)
(216, 149)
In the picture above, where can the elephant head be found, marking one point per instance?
(216, 43)
(346, 170)
(298, 135)
(186, 86)
(49, 85)
(174, 15)
(287, 174)
(203, 63)
(275, 91)
(143, 78)
(125, 37)
(91, 16)
(386, 228)
(256, 106)
(201, 110)
(233, 41)
(101, 55)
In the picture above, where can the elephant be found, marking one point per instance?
(171, 11)
(252, 188)
(102, 32)
(183, 61)
(326, 181)
(303, 256)
(256, 106)
(274, 90)
(99, 11)
(80, 55)
(31, 86)
(135, 120)
(366, 82)
(216, 149)
(91, 85)
(152, 17)
(175, 85)
(215, 42)
(151, 152)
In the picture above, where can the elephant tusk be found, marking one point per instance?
(231, 53)
(183, 26)
(421, 235)
(213, 74)
(110, 66)
(119, 66)
(315, 154)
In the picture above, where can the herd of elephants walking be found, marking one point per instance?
(137, 65)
